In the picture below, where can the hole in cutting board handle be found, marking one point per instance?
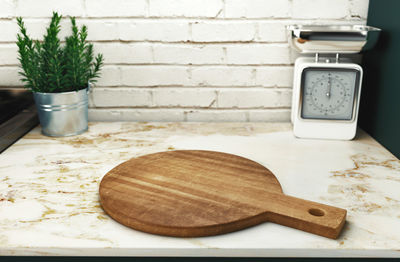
(316, 212)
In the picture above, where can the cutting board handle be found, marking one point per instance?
(306, 215)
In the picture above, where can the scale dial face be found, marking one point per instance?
(328, 93)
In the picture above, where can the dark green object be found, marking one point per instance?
(52, 67)
(379, 113)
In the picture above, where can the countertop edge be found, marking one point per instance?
(195, 252)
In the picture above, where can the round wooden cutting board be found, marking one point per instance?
(189, 193)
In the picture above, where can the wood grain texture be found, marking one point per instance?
(190, 193)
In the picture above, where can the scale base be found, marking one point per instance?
(334, 131)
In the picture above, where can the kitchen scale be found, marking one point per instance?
(327, 86)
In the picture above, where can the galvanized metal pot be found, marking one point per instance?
(63, 114)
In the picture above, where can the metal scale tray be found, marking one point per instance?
(344, 39)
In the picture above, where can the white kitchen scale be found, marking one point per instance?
(326, 86)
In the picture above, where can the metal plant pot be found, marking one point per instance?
(63, 114)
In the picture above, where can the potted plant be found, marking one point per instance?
(59, 75)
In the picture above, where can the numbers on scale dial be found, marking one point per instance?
(328, 94)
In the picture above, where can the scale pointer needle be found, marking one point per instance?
(328, 93)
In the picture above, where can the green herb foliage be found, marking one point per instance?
(51, 67)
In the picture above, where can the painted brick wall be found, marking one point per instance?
(183, 60)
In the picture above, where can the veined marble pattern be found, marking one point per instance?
(49, 191)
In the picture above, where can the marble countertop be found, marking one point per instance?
(49, 191)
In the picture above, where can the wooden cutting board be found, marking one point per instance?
(191, 193)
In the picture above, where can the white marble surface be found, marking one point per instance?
(49, 191)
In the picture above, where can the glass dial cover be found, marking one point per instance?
(328, 93)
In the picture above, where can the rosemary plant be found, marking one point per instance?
(52, 67)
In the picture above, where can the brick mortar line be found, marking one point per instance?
(185, 42)
(203, 65)
(192, 108)
(180, 65)
(171, 64)
(178, 87)
(180, 42)
(209, 65)
(182, 18)
(194, 87)
(199, 86)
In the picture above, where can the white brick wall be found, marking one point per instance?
(223, 31)
(254, 98)
(336, 9)
(115, 8)
(40, 8)
(185, 8)
(257, 9)
(7, 9)
(155, 75)
(182, 60)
